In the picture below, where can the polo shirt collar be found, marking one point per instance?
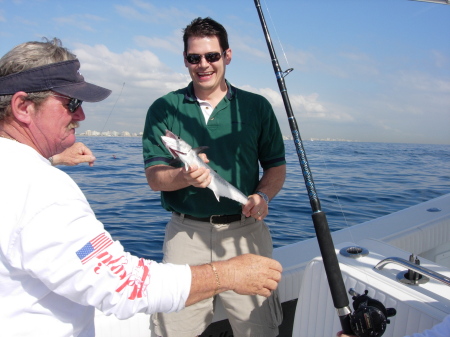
(190, 94)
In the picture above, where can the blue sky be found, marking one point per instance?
(365, 70)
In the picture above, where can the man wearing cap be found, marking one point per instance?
(57, 262)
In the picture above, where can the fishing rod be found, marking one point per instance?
(330, 261)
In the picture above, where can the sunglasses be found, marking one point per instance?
(209, 57)
(74, 103)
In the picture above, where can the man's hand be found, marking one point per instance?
(246, 274)
(271, 183)
(256, 207)
(76, 154)
(198, 176)
(254, 274)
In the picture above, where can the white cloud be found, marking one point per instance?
(132, 13)
(169, 43)
(78, 21)
(147, 12)
(22, 20)
(440, 60)
(355, 56)
(245, 46)
(305, 104)
(421, 81)
(137, 78)
(308, 106)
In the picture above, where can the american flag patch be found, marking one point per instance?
(93, 247)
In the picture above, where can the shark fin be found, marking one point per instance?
(200, 149)
(213, 187)
(217, 195)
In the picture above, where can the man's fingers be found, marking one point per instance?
(256, 274)
(271, 284)
(264, 292)
(203, 157)
(255, 207)
(275, 275)
(275, 265)
(198, 177)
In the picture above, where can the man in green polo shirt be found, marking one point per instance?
(241, 132)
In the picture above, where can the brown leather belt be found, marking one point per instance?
(215, 219)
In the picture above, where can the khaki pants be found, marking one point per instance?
(196, 242)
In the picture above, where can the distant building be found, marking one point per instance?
(93, 133)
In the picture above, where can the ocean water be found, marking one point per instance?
(355, 182)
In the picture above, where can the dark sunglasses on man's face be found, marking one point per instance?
(74, 103)
(209, 57)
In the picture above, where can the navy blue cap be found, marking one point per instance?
(62, 77)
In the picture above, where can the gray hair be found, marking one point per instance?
(26, 56)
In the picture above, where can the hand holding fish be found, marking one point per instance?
(255, 207)
(198, 176)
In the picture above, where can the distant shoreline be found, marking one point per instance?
(134, 134)
(93, 133)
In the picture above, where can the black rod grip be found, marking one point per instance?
(330, 261)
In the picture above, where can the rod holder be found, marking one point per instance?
(354, 252)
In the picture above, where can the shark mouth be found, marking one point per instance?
(173, 151)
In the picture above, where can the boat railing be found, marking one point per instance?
(414, 267)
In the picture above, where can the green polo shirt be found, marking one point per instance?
(241, 133)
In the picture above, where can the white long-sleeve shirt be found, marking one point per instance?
(57, 262)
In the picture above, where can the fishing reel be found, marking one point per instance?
(370, 316)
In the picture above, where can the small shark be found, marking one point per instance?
(189, 156)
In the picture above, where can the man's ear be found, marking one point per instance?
(21, 107)
(228, 56)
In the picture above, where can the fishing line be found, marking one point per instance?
(276, 33)
(113, 108)
(320, 149)
(329, 176)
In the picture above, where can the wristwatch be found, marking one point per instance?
(264, 196)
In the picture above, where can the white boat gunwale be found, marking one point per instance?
(419, 229)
